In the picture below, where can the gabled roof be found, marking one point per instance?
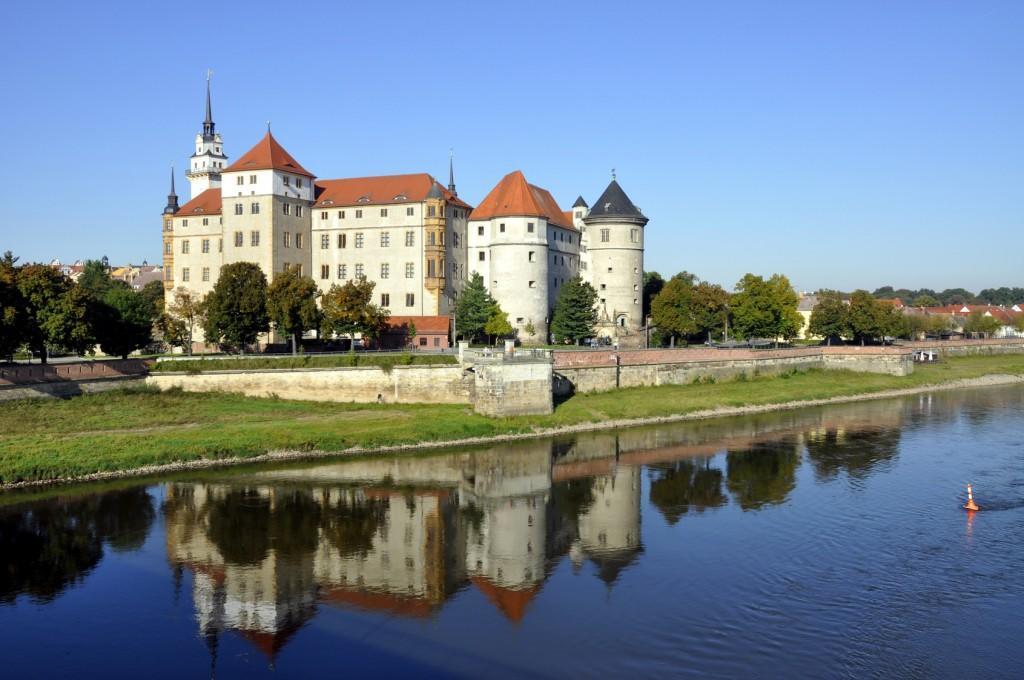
(615, 203)
(206, 203)
(268, 154)
(515, 197)
(383, 190)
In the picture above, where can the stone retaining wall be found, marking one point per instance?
(25, 374)
(67, 388)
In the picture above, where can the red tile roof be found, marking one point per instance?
(383, 190)
(206, 203)
(515, 197)
(512, 603)
(268, 155)
(424, 324)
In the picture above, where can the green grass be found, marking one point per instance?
(385, 361)
(120, 430)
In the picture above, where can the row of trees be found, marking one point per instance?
(864, 318)
(926, 297)
(43, 310)
(686, 308)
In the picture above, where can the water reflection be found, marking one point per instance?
(678, 487)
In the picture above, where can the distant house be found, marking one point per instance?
(804, 306)
(1007, 316)
(431, 332)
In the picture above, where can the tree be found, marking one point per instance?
(12, 308)
(710, 308)
(123, 322)
(956, 296)
(57, 312)
(95, 279)
(765, 309)
(924, 301)
(410, 334)
(153, 292)
(653, 283)
(830, 317)
(978, 322)
(866, 316)
(498, 325)
(474, 308)
(671, 309)
(348, 310)
(236, 308)
(184, 315)
(575, 312)
(291, 304)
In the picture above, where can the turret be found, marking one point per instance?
(208, 161)
(172, 198)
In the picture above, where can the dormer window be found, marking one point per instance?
(364, 199)
(401, 197)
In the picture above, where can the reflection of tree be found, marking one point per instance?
(683, 484)
(294, 523)
(49, 546)
(574, 497)
(240, 526)
(855, 452)
(351, 524)
(762, 475)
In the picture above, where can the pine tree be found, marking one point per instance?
(474, 308)
(575, 312)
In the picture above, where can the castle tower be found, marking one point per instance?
(208, 161)
(168, 235)
(580, 210)
(615, 252)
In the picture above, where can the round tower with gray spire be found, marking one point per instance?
(615, 262)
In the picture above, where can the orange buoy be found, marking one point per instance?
(970, 505)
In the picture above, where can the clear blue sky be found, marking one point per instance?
(845, 144)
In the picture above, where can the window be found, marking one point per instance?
(167, 248)
(409, 212)
(169, 274)
(359, 214)
(185, 274)
(455, 269)
(298, 211)
(184, 247)
(287, 180)
(341, 214)
(385, 300)
(431, 211)
(238, 208)
(359, 240)
(254, 238)
(530, 256)
(431, 238)
(410, 238)
(431, 269)
(220, 245)
(359, 271)
(410, 270)
(385, 270)
(252, 179)
(298, 240)
(579, 214)
(206, 273)
(533, 284)
(634, 235)
(342, 240)
(325, 271)
(240, 181)
(383, 212)
(325, 241)
(410, 299)
(423, 342)
(456, 236)
(342, 271)
(205, 245)
(287, 240)
(298, 182)
(480, 230)
(206, 221)
(385, 239)
(286, 208)
(482, 256)
(604, 236)
(529, 227)
(501, 227)
(323, 214)
(254, 208)
(604, 286)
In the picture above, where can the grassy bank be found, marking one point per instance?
(122, 430)
(385, 361)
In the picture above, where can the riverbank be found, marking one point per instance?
(142, 431)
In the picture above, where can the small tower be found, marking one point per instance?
(208, 161)
(451, 172)
(615, 260)
(172, 198)
(168, 235)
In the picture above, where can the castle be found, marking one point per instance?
(415, 238)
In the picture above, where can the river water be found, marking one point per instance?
(825, 542)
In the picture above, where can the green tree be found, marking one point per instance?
(672, 308)
(1018, 324)
(956, 296)
(348, 310)
(291, 304)
(410, 335)
(95, 279)
(866, 316)
(924, 301)
(236, 308)
(124, 322)
(830, 317)
(154, 294)
(710, 308)
(57, 312)
(474, 308)
(184, 315)
(765, 309)
(498, 325)
(12, 308)
(653, 283)
(977, 322)
(575, 312)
